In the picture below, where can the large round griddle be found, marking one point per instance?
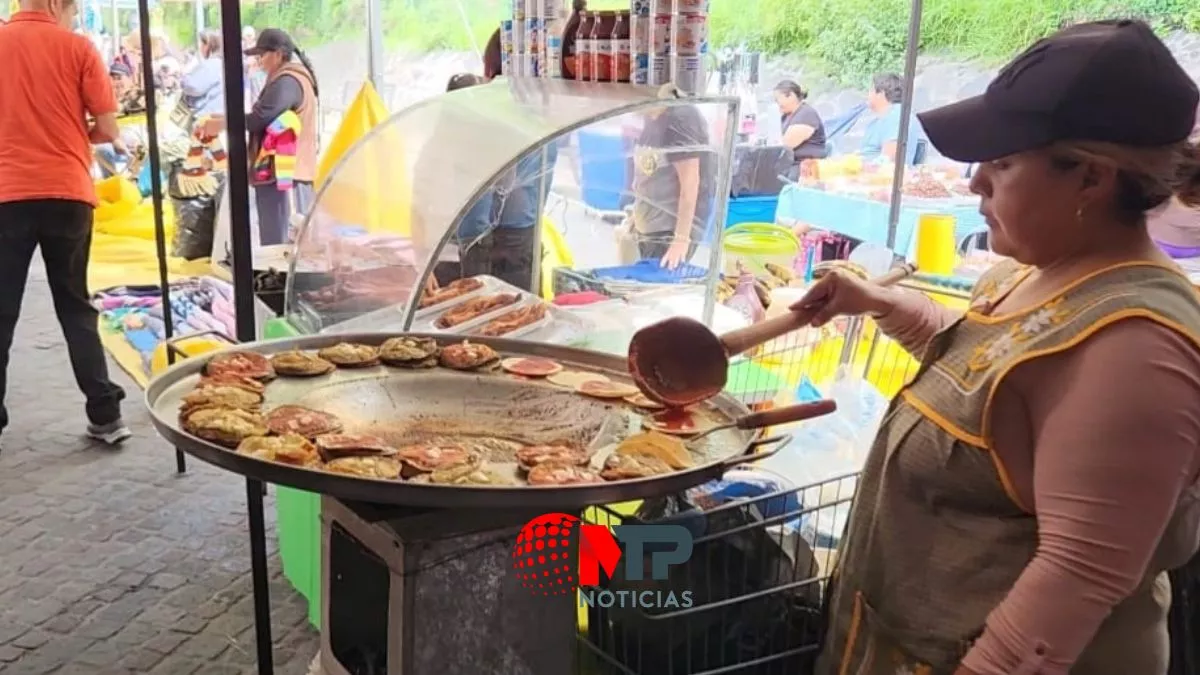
(492, 410)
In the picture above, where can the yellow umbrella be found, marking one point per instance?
(378, 199)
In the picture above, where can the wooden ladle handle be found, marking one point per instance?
(792, 413)
(743, 339)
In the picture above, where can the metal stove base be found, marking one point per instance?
(430, 592)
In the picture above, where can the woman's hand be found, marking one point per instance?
(839, 293)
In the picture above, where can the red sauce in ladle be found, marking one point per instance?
(674, 419)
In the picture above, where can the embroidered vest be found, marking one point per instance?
(938, 534)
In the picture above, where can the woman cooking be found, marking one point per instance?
(1029, 489)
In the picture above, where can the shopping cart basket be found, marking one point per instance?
(754, 587)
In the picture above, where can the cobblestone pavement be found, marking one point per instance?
(109, 561)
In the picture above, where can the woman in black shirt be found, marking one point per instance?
(802, 128)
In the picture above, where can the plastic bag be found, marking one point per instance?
(836, 444)
(195, 223)
(757, 170)
(830, 447)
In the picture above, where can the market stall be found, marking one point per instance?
(846, 197)
(366, 250)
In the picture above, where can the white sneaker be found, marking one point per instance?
(112, 433)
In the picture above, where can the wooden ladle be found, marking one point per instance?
(679, 361)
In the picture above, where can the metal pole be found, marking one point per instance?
(238, 182)
(199, 18)
(258, 575)
(462, 14)
(724, 181)
(156, 194)
(116, 28)
(545, 175)
(910, 74)
(375, 44)
(238, 185)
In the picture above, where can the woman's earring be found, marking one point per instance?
(1079, 214)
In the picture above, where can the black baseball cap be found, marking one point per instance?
(271, 40)
(1107, 81)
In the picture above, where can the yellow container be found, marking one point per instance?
(936, 248)
(189, 346)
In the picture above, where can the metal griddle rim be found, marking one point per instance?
(438, 496)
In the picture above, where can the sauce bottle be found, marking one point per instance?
(745, 299)
(601, 49)
(621, 48)
(584, 51)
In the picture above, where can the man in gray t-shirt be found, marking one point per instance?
(674, 184)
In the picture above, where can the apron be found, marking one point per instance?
(938, 534)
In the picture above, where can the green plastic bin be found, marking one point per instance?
(298, 520)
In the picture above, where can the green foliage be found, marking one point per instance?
(848, 39)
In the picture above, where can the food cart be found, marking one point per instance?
(390, 550)
(369, 241)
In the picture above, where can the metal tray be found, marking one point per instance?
(560, 327)
(412, 404)
(539, 325)
(434, 311)
(428, 325)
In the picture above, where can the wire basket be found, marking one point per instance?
(757, 579)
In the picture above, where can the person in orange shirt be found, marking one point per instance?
(53, 82)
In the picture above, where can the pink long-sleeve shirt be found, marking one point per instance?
(1103, 440)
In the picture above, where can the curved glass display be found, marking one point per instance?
(619, 178)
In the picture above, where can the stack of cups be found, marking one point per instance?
(662, 15)
(640, 20)
(533, 64)
(689, 45)
(506, 48)
(554, 21)
(520, 49)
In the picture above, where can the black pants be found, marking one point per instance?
(505, 253)
(654, 246)
(275, 210)
(63, 230)
(1184, 619)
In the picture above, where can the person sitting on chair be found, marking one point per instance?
(803, 131)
